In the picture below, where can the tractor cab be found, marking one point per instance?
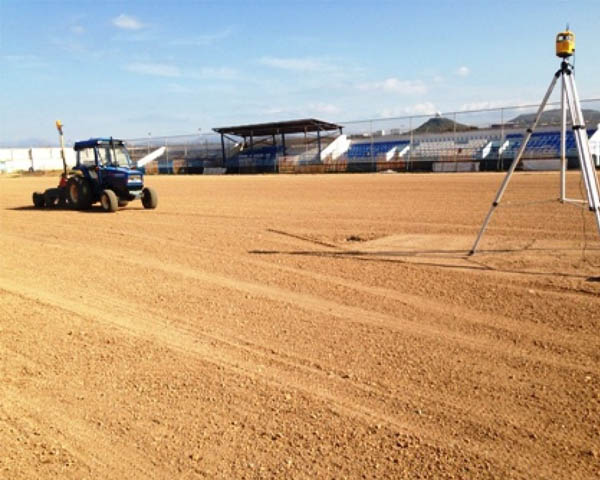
(102, 152)
(565, 44)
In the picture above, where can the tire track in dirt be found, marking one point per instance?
(498, 322)
(93, 449)
(320, 305)
(520, 276)
(282, 377)
(582, 369)
(342, 311)
(241, 365)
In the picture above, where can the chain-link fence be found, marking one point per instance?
(183, 153)
(474, 140)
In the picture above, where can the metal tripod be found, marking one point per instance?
(570, 100)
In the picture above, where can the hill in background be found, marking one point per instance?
(442, 125)
(553, 117)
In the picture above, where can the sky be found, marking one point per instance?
(133, 69)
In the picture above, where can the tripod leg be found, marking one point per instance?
(514, 163)
(563, 142)
(583, 148)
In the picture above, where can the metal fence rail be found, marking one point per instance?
(473, 140)
(479, 139)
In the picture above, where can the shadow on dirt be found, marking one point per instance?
(94, 209)
(383, 257)
(475, 262)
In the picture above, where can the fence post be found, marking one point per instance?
(454, 147)
(499, 162)
(185, 156)
(410, 144)
(371, 149)
(167, 156)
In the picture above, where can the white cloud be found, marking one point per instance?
(177, 88)
(215, 73)
(69, 44)
(154, 69)
(497, 104)
(295, 64)
(127, 22)
(203, 40)
(425, 108)
(274, 111)
(24, 61)
(481, 105)
(299, 110)
(463, 71)
(77, 29)
(173, 71)
(395, 85)
(325, 108)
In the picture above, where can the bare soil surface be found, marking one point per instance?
(302, 327)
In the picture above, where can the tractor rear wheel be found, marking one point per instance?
(149, 198)
(79, 193)
(38, 200)
(109, 201)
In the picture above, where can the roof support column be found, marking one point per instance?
(319, 142)
(274, 155)
(223, 151)
(283, 143)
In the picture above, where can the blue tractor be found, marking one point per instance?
(105, 173)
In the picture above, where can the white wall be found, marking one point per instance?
(336, 148)
(15, 159)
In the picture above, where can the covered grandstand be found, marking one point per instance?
(261, 147)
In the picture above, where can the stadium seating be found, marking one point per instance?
(363, 150)
(542, 144)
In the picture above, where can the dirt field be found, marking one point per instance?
(301, 327)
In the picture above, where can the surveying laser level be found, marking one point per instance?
(565, 44)
(569, 101)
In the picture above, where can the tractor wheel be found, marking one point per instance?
(149, 198)
(73, 192)
(79, 193)
(38, 200)
(109, 201)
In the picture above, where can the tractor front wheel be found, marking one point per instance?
(38, 200)
(109, 201)
(149, 198)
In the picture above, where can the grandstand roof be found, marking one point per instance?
(274, 128)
